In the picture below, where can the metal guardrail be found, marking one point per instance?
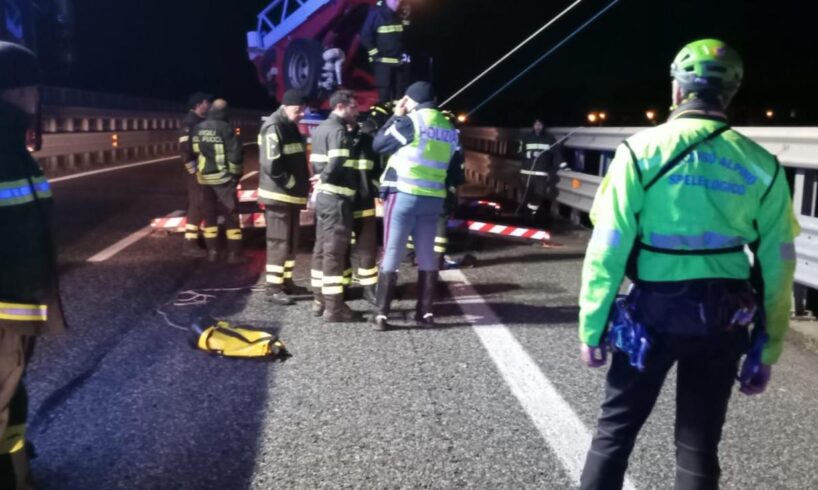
(490, 161)
(70, 97)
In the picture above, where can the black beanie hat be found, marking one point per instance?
(196, 98)
(18, 67)
(421, 92)
(293, 97)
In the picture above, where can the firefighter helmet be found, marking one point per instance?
(19, 66)
(708, 66)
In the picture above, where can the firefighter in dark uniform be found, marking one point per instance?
(538, 172)
(199, 104)
(365, 228)
(454, 179)
(219, 170)
(336, 181)
(383, 37)
(29, 295)
(283, 188)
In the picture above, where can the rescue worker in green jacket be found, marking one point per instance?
(283, 188)
(199, 104)
(336, 183)
(422, 144)
(219, 171)
(681, 201)
(383, 37)
(29, 295)
(538, 170)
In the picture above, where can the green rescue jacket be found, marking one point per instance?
(726, 193)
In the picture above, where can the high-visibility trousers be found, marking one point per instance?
(282, 242)
(221, 200)
(364, 250)
(13, 410)
(333, 231)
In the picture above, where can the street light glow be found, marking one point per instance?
(770, 114)
(602, 116)
(591, 117)
(461, 118)
(650, 114)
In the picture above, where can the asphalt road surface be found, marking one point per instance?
(493, 398)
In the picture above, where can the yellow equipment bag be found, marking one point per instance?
(222, 338)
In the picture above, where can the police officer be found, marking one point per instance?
(422, 143)
(365, 227)
(383, 37)
(539, 168)
(29, 295)
(336, 182)
(199, 104)
(283, 188)
(219, 170)
(682, 200)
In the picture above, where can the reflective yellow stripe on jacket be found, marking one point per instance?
(23, 312)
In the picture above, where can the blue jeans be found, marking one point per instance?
(406, 215)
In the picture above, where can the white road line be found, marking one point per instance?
(248, 175)
(551, 414)
(111, 169)
(127, 242)
(118, 167)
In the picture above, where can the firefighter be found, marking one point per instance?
(219, 171)
(383, 37)
(538, 172)
(283, 188)
(682, 200)
(454, 179)
(199, 104)
(29, 293)
(365, 229)
(336, 183)
(422, 143)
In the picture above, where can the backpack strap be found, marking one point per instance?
(675, 161)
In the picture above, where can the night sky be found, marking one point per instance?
(166, 49)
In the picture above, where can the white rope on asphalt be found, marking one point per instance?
(198, 297)
(516, 48)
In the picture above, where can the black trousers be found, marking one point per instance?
(282, 242)
(194, 208)
(537, 190)
(392, 80)
(706, 371)
(442, 234)
(221, 200)
(364, 253)
(333, 232)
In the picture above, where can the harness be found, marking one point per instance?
(629, 336)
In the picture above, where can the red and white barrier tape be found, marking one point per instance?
(252, 220)
(248, 196)
(501, 230)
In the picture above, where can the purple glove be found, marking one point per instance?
(593, 357)
(757, 382)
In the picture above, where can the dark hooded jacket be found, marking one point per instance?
(29, 295)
